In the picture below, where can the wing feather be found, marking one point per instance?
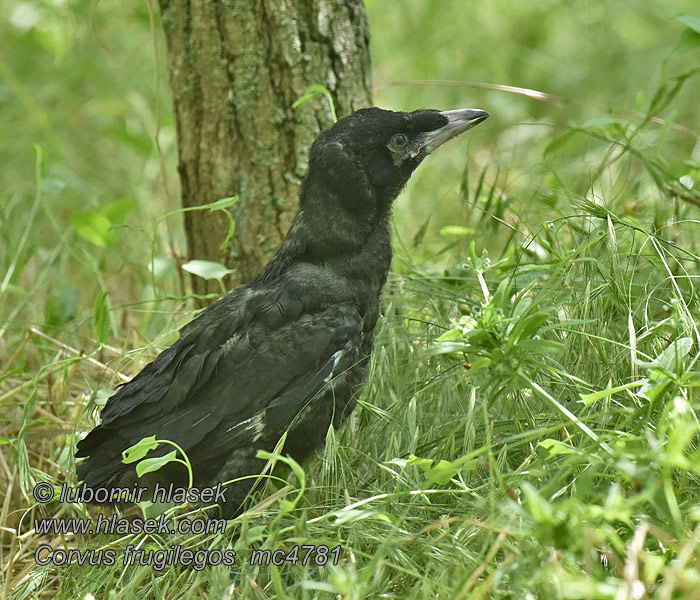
(241, 370)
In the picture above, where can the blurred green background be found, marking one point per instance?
(550, 377)
(84, 84)
(599, 55)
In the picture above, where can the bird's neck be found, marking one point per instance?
(356, 250)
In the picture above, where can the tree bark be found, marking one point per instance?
(236, 67)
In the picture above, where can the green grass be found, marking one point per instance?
(529, 428)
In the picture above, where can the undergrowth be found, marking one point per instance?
(529, 428)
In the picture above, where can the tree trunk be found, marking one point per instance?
(236, 67)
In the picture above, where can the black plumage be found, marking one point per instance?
(287, 351)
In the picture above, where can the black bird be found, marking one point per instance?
(287, 351)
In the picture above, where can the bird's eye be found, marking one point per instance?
(398, 141)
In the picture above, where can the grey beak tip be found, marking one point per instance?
(476, 115)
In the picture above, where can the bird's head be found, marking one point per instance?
(356, 169)
(364, 160)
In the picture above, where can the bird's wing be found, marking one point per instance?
(251, 361)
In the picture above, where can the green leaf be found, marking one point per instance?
(480, 364)
(61, 305)
(101, 317)
(116, 211)
(558, 142)
(223, 203)
(93, 227)
(688, 40)
(289, 461)
(423, 463)
(298, 471)
(206, 269)
(541, 510)
(556, 447)
(529, 326)
(153, 510)
(441, 473)
(446, 348)
(589, 399)
(148, 465)
(520, 306)
(670, 358)
(451, 335)
(102, 395)
(139, 450)
(540, 347)
(654, 388)
(553, 181)
(691, 21)
(457, 230)
(163, 266)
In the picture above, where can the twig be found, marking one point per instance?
(683, 196)
(537, 95)
(67, 348)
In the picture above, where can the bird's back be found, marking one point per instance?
(267, 354)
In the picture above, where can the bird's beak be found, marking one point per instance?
(458, 121)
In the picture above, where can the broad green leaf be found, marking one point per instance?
(446, 348)
(450, 335)
(528, 326)
(61, 305)
(162, 266)
(423, 463)
(655, 387)
(93, 227)
(116, 211)
(555, 447)
(102, 395)
(287, 505)
(206, 269)
(480, 364)
(553, 181)
(153, 510)
(540, 510)
(550, 347)
(148, 465)
(688, 40)
(691, 21)
(297, 470)
(293, 465)
(139, 450)
(670, 358)
(441, 473)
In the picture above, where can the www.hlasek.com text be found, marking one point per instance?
(116, 525)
